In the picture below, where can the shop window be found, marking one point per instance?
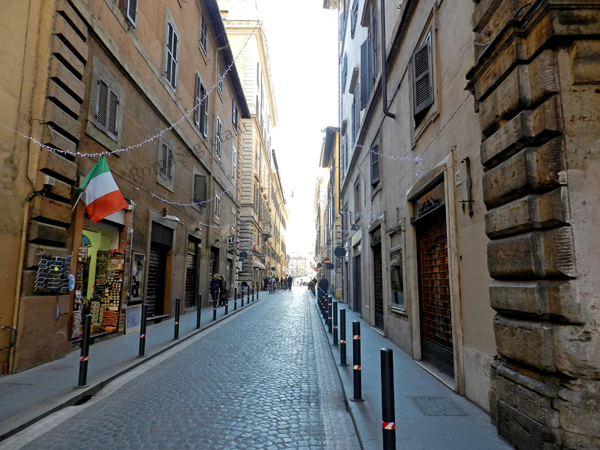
(397, 281)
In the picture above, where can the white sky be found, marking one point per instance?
(302, 43)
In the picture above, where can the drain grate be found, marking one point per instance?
(438, 406)
(55, 368)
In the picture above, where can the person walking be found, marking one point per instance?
(214, 288)
(323, 287)
(290, 280)
(224, 290)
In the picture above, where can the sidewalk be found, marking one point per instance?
(31, 395)
(434, 425)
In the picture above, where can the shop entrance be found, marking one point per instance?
(357, 286)
(191, 275)
(160, 245)
(434, 295)
(378, 284)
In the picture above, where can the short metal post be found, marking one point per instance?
(335, 323)
(214, 309)
(235, 300)
(142, 351)
(85, 350)
(329, 314)
(242, 296)
(248, 295)
(257, 290)
(177, 305)
(342, 337)
(227, 303)
(198, 311)
(388, 414)
(356, 362)
(252, 293)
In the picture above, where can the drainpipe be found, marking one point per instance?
(384, 63)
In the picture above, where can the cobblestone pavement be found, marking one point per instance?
(262, 380)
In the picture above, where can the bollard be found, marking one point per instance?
(177, 305)
(335, 320)
(252, 293)
(257, 290)
(198, 310)
(214, 309)
(227, 304)
(143, 331)
(329, 314)
(248, 295)
(342, 337)
(242, 296)
(85, 350)
(356, 362)
(388, 414)
(235, 300)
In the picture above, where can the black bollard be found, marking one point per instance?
(85, 350)
(242, 296)
(335, 322)
(226, 304)
(356, 362)
(214, 309)
(342, 337)
(248, 295)
(143, 331)
(329, 314)
(198, 311)
(257, 290)
(252, 293)
(177, 305)
(235, 300)
(388, 414)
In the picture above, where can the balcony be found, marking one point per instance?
(266, 231)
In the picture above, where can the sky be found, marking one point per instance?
(303, 50)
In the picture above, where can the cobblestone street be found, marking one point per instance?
(264, 379)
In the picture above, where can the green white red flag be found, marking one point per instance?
(101, 194)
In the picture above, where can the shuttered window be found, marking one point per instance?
(372, 49)
(221, 76)
(234, 164)
(204, 111)
(234, 114)
(344, 72)
(197, 100)
(166, 161)
(353, 18)
(422, 78)
(375, 165)
(364, 74)
(218, 139)
(171, 57)
(203, 35)
(217, 207)
(356, 114)
(199, 188)
(131, 11)
(107, 109)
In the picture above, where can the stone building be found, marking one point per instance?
(154, 86)
(263, 206)
(535, 81)
(413, 212)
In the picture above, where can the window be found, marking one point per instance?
(201, 107)
(129, 9)
(357, 199)
(234, 164)
(353, 18)
(107, 109)
(396, 280)
(233, 221)
(422, 80)
(368, 61)
(375, 165)
(256, 197)
(342, 24)
(221, 76)
(199, 189)
(218, 139)
(172, 55)
(343, 157)
(234, 115)
(217, 206)
(355, 114)
(344, 72)
(203, 35)
(166, 161)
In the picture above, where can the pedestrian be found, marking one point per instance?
(265, 283)
(323, 287)
(214, 288)
(224, 287)
(290, 280)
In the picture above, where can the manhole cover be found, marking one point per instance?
(55, 368)
(438, 406)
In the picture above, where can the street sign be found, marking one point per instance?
(330, 266)
(340, 252)
(326, 261)
(319, 265)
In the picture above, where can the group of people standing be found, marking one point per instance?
(277, 283)
(219, 289)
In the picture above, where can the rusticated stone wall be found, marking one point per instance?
(536, 83)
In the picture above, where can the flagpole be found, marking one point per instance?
(77, 201)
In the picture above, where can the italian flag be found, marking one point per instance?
(101, 194)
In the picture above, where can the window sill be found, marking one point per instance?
(375, 190)
(398, 310)
(420, 130)
(167, 184)
(101, 137)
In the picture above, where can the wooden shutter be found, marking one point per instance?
(197, 100)
(199, 188)
(422, 78)
(373, 49)
(204, 112)
(357, 109)
(375, 165)
(344, 72)
(132, 11)
(102, 105)
(164, 157)
(170, 163)
(112, 119)
(364, 74)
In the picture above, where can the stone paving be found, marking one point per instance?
(262, 380)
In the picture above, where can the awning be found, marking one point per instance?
(258, 265)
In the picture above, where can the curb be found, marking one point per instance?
(79, 395)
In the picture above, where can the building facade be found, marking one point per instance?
(154, 87)
(263, 206)
(411, 203)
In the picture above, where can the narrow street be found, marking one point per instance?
(263, 379)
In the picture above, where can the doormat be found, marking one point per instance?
(438, 406)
